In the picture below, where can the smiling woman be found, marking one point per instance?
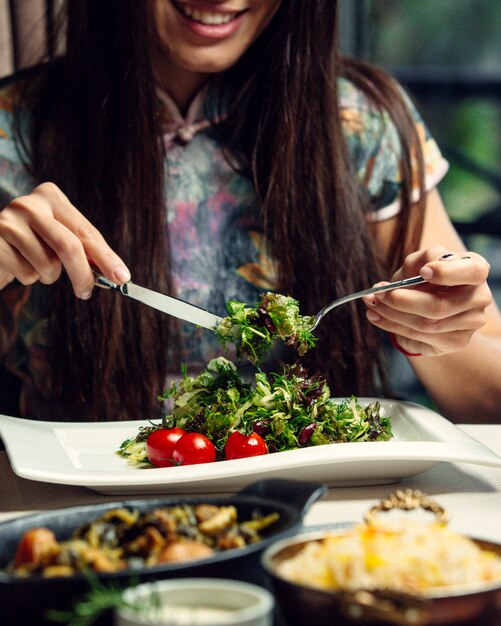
(196, 39)
(216, 150)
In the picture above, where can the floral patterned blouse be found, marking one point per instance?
(217, 242)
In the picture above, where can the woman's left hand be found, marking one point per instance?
(440, 316)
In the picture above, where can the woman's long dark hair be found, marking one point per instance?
(96, 135)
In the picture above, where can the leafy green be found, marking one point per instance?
(211, 403)
(254, 329)
(289, 409)
(134, 447)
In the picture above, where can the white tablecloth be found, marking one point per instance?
(470, 493)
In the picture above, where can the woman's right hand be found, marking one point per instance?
(42, 233)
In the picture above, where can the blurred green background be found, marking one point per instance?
(461, 38)
(448, 56)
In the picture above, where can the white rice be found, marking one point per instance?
(407, 556)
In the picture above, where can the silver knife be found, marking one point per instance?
(161, 302)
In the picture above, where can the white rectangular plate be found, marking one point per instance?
(83, 454)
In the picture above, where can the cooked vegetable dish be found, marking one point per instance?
(125, 538)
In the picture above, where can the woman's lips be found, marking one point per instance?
(209, 23)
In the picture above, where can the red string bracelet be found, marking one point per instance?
(396, 345)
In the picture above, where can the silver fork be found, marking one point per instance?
(407, 282)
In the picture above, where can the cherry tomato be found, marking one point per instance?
(160, 445)
(239, 446)
(193, 448)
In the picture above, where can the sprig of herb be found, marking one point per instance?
(100, 598)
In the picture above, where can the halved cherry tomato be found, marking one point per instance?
(239, 446)
(160, 445)
(193, 448)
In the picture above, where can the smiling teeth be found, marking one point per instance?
(207, 18)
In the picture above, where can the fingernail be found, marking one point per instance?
(380, 296)
(426, 273)
(85, 295)
(122, 274)
(373, 316)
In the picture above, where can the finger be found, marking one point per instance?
(15, 264)
(416, 260)
(434, 302)
(69, 236)
(30, 231)
(93, 243)
(418, 327)
(25, 254)
(71, 253)
(445, 343)
(5, 279)
(456, 269)
(373, 299)
(416, 341)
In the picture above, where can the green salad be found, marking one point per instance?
(289, 410)
(254, 329)
(232, 417)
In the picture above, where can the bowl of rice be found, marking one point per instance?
(387, 571)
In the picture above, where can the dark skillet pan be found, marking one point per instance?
(24, 601)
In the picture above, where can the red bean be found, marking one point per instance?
(306, 433)
(262, 427)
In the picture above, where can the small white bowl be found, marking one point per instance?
(197, 602)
